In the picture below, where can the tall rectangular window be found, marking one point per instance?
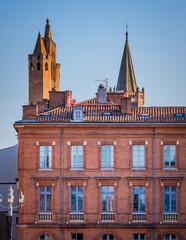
(77, 236)
(45, 157)
(169, 156)
(107, 156)
(76, 156)
(170, 199)
(139, 199)
(76, 199)
(45, 198)
(107, 198)
(138, 156)
(138, 236)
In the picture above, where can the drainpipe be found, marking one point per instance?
(62, 230)
(154, 185)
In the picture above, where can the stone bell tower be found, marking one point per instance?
(44, 72)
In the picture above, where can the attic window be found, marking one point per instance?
(179, 115)
(38, 66)
(78, 114)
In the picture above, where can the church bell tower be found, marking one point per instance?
(44, 72)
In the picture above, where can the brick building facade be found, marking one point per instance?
(102, 169)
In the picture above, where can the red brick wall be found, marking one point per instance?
(121, 136)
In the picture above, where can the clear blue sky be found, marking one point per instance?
(90, 38)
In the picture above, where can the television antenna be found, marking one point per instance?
(106, 81)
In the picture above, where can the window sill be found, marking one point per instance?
(170, 168)
(80, 168)
(104, 168)
(137, 168)
(45, 169)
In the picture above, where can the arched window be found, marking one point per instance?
(38, 66)
(31, 67)
(107, 237)
(170, 237)
(46, 66)
(45, 237)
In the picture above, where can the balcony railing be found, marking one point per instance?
(139, 217)
(45, 217)
(108, 217)
(170, 217)
(77, 217)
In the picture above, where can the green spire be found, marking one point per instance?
(126, 79)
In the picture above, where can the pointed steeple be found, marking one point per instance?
(48, 34)
(39, 47)
(126, 79)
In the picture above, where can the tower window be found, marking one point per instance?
(46, 66)
(31, 67)
(38, 66)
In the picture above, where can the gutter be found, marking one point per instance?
(154, 185)
(62, 230)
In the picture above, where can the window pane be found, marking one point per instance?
(142, 236)
(167, 237)
(142, 202)
(138, 156)
(80, 203)
(135, 236)
(173, 203)
(111, 202)
(73, 202)
(79, 236)
(166, 203)
(80, 189)
(76, 156)
(104, 237)
(45, 153)
(42, 202)
(169, 155)
(106, 156)
(49, 203)
(73, 236)
(135, 202)
(104, 202)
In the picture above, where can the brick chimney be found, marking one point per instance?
(126, 105)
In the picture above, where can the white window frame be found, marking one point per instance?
(140, 163)
(45, 161)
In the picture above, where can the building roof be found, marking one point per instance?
(39, 47)
(126, 79)
(94, 112)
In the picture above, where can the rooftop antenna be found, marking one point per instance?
(106, 81)
(126, 26)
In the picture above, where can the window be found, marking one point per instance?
(169, 156)
(77, 236)
(45, 237)
(138, 156)
(45, 157)
(170, 199)
(170, 237)
(107, 158)
(139, 236)
(76, 156)
(31, 67)
(107, 198)
(107, 237)
(76, 198)
(45, 198)
(38, 66)
(138, 198)
(46, 66)
(78, 113)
